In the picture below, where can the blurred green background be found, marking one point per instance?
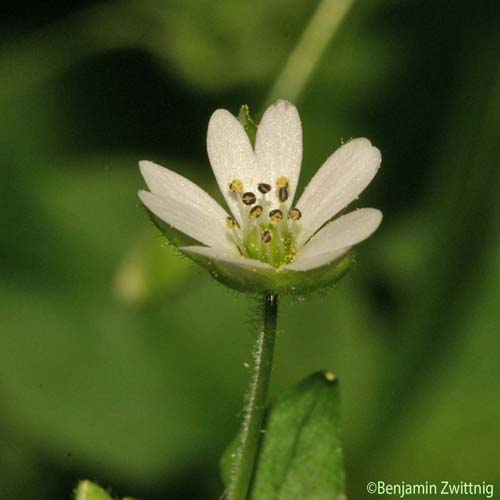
(122, 362)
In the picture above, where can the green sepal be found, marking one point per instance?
(281, 281)
(300, 454)
(248, 124)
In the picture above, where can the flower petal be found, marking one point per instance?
(231, 155)
(278, 146)
(309, 262)
(343, 232)
(343, 176)
(229, 257)
(185, 206)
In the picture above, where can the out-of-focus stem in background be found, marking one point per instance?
(305, 56)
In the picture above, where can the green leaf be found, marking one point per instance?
(300, 454)
(87, 490)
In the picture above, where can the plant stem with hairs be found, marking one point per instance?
(255, 404)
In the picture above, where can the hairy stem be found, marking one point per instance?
(255, 403)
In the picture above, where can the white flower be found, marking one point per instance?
(265, 242)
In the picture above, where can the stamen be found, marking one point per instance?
(294, 214)
(263, 232)
(282, 182)
(267, 236)
(264, 188)
(283, 194)
(256, 212)
(236, 186)
(231, 223)
(275, 216)
(248, 198)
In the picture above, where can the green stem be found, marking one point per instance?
(255, 403)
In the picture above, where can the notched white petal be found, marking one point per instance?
(343, 176)
(346, 231)
(157, 178)
(278, 146)
(230, 153)
(186, 207)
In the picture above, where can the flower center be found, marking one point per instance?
(268, 231)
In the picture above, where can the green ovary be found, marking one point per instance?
(279, 251)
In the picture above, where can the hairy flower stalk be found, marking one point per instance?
(253, 413)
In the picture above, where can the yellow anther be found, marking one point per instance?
(283, 182)
(275, 216)
(294, 214)
(256, 212)
(231, 223)
(236, 186)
